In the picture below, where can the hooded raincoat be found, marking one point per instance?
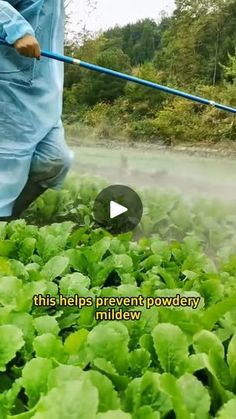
(31, 133)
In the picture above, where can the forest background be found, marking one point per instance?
(193, 49)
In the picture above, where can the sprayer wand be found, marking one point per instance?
(93, 67)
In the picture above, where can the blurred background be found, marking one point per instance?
(124, 131)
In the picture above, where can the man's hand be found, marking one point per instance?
(28, 46)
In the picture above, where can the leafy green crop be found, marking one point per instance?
(58, 362)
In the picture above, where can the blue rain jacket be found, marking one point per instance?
(30, 97)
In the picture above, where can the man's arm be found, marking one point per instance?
(14, 29)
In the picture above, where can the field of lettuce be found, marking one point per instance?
(59, 363)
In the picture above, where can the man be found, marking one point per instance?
(33, 152)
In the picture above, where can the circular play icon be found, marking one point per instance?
(118, 209)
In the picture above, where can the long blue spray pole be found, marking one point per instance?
(93, 67)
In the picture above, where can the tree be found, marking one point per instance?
(139, 40)
(230, 70)
(145, 100)
(72, 9)
(96, 87)
(200, 35)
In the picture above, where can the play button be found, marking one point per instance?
(118, 209)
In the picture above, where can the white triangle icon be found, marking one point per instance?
(116, 209)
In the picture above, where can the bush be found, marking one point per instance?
(184, 121)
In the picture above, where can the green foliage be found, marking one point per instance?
(99, 87)
(139, 40)
(139, 95)
(60, 362)
(201, 63)
(11, 342)
(230, 70)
